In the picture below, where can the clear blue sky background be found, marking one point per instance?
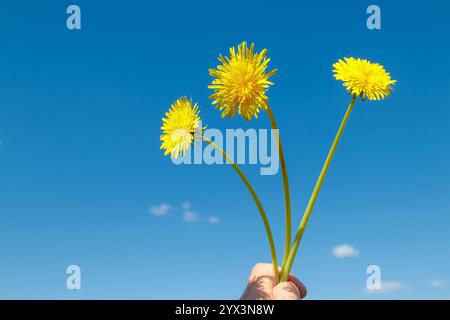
(80, 165)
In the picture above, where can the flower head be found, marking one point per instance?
(364, 78)
(241, 82)
(179, 127)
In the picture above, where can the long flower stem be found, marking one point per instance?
(287, 192)
(312, 200)
(258, 204)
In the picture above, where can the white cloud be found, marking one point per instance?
(190, 216)
(345, 251)
(438, 283)
(388, 287)
(186, 206)
(213, 220)
(160, 210)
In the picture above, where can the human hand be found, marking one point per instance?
(261, 285)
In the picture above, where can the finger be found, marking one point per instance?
(260, 283)
(286, 291)
(301, 288)
(263, 270)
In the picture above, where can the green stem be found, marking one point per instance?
(258, 204)
(287, 193)
(312, 200)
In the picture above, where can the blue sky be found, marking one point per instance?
(80, 165)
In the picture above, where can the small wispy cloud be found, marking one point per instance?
(388, 287)
(438, 283)
(160, 210)
(345, 251)
(186, 206)
(190, 216)
(213, 220)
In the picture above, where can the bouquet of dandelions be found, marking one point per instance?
(240, 85)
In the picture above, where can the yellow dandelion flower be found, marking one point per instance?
(241, 82)
(364, 78)
(179, 127)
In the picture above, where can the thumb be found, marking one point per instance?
(286, 291)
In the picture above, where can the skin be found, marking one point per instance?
(261, 285)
